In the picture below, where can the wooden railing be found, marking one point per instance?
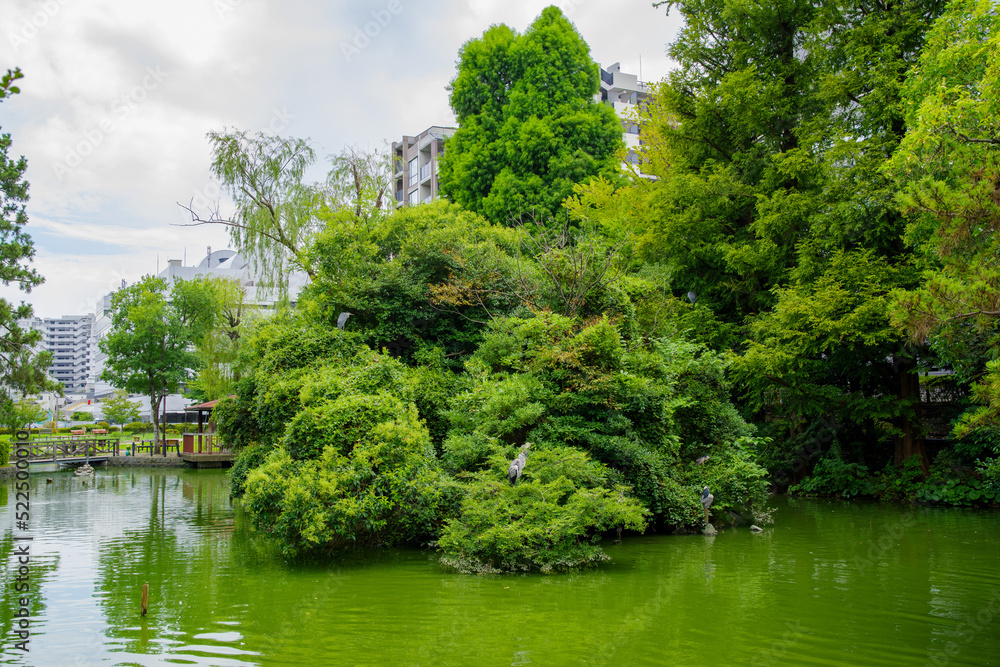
(203, 443)
(61, 449)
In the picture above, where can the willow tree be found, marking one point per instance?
(277, 213)
(529, 127)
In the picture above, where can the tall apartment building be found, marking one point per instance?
(415, 158)
(415, 165)
(68, 339)
(624, 92)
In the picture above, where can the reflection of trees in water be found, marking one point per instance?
(185, 530)
(664, 599)
(42, 569)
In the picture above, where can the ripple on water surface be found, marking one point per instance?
(827, 584)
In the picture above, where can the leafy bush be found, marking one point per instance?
(951, 484)
(134, 427)
(81, 416)
(103, 425)
(552, 382)
(341, 423)
(738, 483)
(387, 490)
(5, 448)
(248, 458)
(834, 477)
(902, 483)
(64, 430)
(551, 519)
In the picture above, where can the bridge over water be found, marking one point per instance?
(66, 450)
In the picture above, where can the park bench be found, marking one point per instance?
(78, 431)
(100, 431)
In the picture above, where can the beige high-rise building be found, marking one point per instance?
(415, 165)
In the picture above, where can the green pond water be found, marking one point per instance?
(830, 583)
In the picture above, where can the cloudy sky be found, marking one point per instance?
(118, 95)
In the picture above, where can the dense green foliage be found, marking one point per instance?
(150, 340)
(949, 167)
(529, 128)
(550, 520)
(768, 300)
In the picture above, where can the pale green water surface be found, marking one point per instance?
(830, 583)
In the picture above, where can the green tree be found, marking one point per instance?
(277, 213)
(947, 169)
(22, 371)
(18, 414)
(770, 138)
(392, 276)
(529, 128)
(149, 343)
(119, 409)
(218, 346)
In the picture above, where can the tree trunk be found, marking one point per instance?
(154, 405)
(911, 442)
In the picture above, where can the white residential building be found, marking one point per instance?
(624, 92)
(68, 339)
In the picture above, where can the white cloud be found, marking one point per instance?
(137, 85)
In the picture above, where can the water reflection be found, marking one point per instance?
(830, 583)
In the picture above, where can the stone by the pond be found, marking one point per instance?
(757, 529)
(710, 530)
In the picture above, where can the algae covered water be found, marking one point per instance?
(830, 583)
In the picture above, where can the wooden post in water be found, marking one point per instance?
(144, 605)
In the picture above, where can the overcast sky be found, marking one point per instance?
(118, 95)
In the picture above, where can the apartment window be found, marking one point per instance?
(414, 171)
(414, 197)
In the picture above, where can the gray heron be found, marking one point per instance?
(701, 459)
(342, 320)
(706, 502)
(517, 465)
